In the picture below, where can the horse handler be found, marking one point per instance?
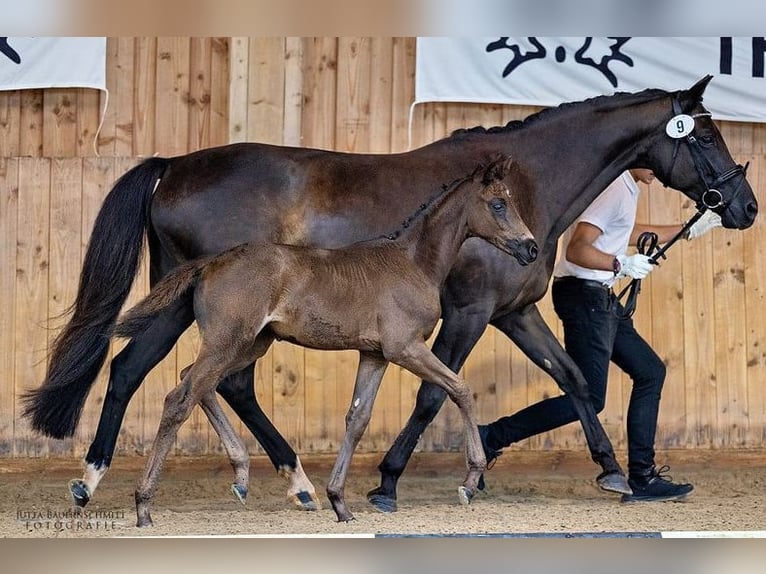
(597, 330)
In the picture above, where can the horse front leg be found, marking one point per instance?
(419, 360)
(527, 329)
(369, 374)
(127, 372)
(458, 335)
(238, 391)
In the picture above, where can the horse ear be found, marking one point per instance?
(693, 95)
(498, 169)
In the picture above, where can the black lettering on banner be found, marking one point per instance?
(759, 47)
(6, 50)
(726, 58)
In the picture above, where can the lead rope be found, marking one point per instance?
(647, 245)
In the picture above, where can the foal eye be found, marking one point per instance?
(498, 206)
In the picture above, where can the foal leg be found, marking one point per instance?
(419, 360)
(127, 372)
(458, 335)
(235, 447)
(179, 403)
(368, 378)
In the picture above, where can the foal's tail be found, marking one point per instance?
(172, 287)
(110, 265)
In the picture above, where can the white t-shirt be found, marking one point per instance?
(614, 213)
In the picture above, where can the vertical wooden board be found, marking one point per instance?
(10, 123)
(59, 122)
(31, 120)
(64, 256)
(755, 303)
(730, 351)
(266, 90)
(199, 93)
(172, 127)
(97, 180)
(289, 392)
(32, 262)
(9, 204)
(122, 101)
(293, 91)
(667, 323)
(380, 112)
(105, 143)
(144, 96)
(353, 116)
(219, 91)
(239, 64)
(320, 83)
(323, 422)
(88, 119)
(402, 91)
(699, 339)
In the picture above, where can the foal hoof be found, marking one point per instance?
(240, 492)
(381, 502)
(144, 522)
(305, 500)
(614, 482)
(80, 493)
(465, 494)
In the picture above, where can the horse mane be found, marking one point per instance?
(603, 102)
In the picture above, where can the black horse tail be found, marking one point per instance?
(172, 287)
(110, 266)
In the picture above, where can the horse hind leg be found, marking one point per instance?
(235, 447)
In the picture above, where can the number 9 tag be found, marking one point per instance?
(680, 126)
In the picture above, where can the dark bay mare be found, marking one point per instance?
(380, 297)
(208, 201)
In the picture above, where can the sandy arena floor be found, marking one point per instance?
(527, 493)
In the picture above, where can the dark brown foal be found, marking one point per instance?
(380, 297)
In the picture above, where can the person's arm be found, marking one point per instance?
(581, 251)
(664, 232)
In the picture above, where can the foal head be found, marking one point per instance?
(493, 216)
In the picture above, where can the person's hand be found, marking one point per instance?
(637, 266)
(709, 220)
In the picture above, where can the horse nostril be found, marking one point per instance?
(533, 251)
(752, 208)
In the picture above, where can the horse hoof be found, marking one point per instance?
(382, 502)
(80, 493)
(144, 522)
(305, 500)
(614, 482)
(240, 492)
(465, 494)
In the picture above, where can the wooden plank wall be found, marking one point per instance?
(703, 311)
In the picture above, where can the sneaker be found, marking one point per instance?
(655, 486)
(490, 453)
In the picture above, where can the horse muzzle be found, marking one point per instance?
(524, 250)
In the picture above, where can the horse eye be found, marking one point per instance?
(706, 140)
(498, 206)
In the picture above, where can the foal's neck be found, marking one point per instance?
(433, 239)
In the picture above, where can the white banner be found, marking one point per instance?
(547, 71)
(32, 62)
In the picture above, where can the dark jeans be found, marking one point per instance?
(594, 334)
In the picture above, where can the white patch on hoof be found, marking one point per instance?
(299, 482)
(93, 476)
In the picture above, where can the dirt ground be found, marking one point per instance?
(527, 492)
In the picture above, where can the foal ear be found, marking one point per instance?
(497, 170)
(693, 95)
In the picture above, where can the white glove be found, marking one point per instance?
(708, 221)
(636, 266)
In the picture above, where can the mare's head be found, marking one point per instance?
(691, 156)
(493, 216)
